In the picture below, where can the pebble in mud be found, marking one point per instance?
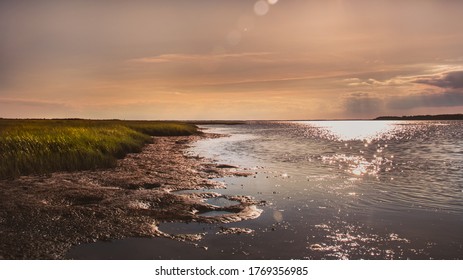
(235, 230)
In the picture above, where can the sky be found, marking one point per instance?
(223, 59)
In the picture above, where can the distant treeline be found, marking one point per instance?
(424, 117)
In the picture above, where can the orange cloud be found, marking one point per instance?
(198, 57)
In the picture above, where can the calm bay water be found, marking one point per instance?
(333, 190)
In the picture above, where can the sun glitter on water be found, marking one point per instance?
(354, 130)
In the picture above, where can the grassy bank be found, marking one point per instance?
(44, 146)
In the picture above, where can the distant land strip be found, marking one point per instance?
(424, 117)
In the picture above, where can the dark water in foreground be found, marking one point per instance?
(334, 190)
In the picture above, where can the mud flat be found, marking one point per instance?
(42, 217)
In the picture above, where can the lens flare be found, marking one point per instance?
(261, 8)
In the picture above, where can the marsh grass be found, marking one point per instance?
(44, 146)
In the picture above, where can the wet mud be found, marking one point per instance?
(42, 217)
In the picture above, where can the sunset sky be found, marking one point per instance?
(230, 59)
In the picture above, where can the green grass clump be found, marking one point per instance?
(44, 146)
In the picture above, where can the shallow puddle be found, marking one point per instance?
(221, 201)
(215, 213)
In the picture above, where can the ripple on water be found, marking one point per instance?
(348, 241)
(187, 228)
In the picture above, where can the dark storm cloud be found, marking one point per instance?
(445, 99)
(362, 104)
(451, 80)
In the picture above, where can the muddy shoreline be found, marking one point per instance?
(42, 217)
